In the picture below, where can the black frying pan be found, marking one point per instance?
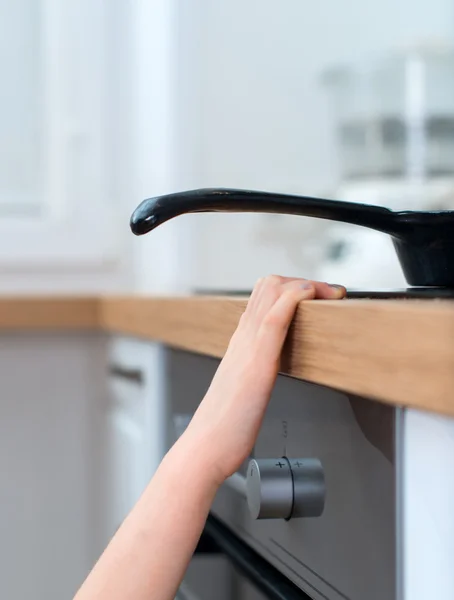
(424, 241)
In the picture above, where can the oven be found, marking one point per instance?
(312, 513)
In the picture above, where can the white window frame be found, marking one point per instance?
(78, 227)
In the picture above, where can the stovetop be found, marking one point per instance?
(382, 294)
(403, 293)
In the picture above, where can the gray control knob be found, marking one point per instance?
(269, 488)
(309, 489)
(279, 488)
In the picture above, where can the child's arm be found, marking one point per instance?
(148, 556)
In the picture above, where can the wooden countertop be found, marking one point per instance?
(400, 352)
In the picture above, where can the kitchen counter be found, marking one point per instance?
(400, 352)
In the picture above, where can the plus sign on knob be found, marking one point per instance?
(279, 488)
(269, 488)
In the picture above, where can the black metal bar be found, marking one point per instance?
(130, 374)
(261, 573)
(207, 545)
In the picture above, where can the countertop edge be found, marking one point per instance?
(400, 352)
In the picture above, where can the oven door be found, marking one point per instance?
(347, 552)
(225, 568)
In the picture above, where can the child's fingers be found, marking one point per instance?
(323, 290)
(275, 324)
(327, 291)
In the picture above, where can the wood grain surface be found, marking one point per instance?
(48, 312)
(397, 351)
(401, 351)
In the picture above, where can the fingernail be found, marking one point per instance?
(338, 289)
(306, 286)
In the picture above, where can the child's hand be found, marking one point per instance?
(149, 554)
(226, 424)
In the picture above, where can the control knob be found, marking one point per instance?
(282, 488)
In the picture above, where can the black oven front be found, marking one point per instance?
(341, 543)
(226, 568)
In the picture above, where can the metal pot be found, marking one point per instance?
(423, 240)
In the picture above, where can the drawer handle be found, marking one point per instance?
(129, 374)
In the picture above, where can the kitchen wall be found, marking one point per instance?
(252, 113)
(161, 262)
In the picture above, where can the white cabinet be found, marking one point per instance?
(426, 498)
(81, 433)
(50, 390)
(134, 425)
(126, 465)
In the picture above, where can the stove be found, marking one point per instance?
(424, 293)
(312, 514)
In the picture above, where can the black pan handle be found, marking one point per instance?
(153, 212)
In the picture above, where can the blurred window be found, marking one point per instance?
(21, 109)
